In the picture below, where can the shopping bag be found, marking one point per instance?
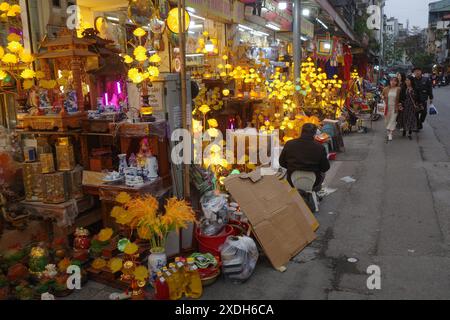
(381, 109)
(433, 110)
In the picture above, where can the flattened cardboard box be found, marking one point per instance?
(278, 216)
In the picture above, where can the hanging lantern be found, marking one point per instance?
(173, 22)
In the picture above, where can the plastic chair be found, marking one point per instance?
(304, 181)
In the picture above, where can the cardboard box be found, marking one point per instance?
(282, 222)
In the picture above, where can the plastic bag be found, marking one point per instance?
(239, 258)
(433, 111)
(214, 205)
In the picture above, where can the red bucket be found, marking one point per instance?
(212, 244)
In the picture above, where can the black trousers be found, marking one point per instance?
(422, 115)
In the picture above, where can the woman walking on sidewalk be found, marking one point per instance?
(391, 97)
(409, 108)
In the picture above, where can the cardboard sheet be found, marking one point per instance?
(280, 218)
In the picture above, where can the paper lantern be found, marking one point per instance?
(173, 23)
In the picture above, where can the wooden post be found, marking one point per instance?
(182, 36)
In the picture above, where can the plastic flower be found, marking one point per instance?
(3, 75)
(213, 132)
(28, 84)
(123, 198)
(9, 58)
(28, 74)
(204, 109)
(2, 52)
(15, 46)
(213, 123)
(135, 76)
(153, 71)
(4, 6)
(26, 57)
(105, 234)
(131, 249)
(128, 59)
(141, 273)
(99, 264)
(140, 53)
(14, 10)
(14, 37)
(155, 58)
(40, 75)
(139, 32)
(115, 265)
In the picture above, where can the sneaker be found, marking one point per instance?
(390, 138)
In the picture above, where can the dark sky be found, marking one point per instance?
(414, 10)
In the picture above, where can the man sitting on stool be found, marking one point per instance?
(305, 154)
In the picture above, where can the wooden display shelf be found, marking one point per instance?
(56, 122)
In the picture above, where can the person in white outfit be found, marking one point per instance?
(391, 97)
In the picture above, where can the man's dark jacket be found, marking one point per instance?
(424, 89)
(304, 154)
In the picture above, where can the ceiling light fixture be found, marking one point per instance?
(322, 23)
(282, 5)
(273, 27)
(306, 12)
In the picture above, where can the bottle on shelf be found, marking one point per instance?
(194, 287)
(161, 287)
(178, 279)
(173, 289)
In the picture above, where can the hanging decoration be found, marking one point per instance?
(173, 21)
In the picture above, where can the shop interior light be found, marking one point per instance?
(273, 27)
(327, 45)
(322, 23)
(303, 38)
(194, 55)
(191, 10)
(113, 19)
(193, 25)
(282, 5)
(259, 33)
(306, 12)
(197, 17)
(241, 26)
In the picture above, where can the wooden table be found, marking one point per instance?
(107, 194)
(62, 219)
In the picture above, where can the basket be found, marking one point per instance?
(207, 244)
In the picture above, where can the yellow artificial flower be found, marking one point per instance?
(140, 51)
(139, 32)
(128, 59)
(99, 264)
(141, 57)
(105, 234)
(155, 58)
(3, 75)
(135, 76)
(115, 265)
(15, 46)
(2, 52)
(62, 82)
(141, 273)
(131, 249)
(26, 57)
(9, 58)
(14, 10)
(28, 84)
(153, 71)
(226, 92)
(123, 198)
(213, 123)
(117, 212)
(213, 132)
(4, 6)
(14, 37)
(40, 75)
(204, 109)
(28, 74)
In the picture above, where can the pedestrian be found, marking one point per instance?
(401, 76)
(424, 91)
(409, 107)
(391, 96)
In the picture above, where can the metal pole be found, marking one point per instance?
(297, 33)
(182, 36)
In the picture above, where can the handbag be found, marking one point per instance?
(433, 111)
(417, 108)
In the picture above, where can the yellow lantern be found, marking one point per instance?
(173, 22)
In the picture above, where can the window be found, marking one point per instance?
(56, 3)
